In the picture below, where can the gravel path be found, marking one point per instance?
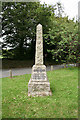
(22, 71)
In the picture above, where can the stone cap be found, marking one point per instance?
(39, 25)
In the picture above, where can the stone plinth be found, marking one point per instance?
(39, 84)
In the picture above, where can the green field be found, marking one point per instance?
(62, 104)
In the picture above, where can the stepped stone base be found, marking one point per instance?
(39, 84)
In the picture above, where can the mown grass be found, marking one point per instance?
(62, 104)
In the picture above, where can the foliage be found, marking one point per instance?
(60, 37)
(62, 104)
(63, 40)
(59, 9)
(19, 26)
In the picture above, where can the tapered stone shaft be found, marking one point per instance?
(39, 46)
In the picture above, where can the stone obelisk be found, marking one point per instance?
(39, 84)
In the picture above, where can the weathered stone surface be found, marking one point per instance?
(39, 46)
(39, 84)
(39, 87)
(39, 73)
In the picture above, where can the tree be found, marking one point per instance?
(63, 40)
(19, 26)
(59, 9)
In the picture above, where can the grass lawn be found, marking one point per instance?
(62, 104)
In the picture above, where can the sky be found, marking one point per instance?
(70, 6)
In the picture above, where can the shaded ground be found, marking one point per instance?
(9, 64)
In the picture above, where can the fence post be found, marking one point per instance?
(75, 64)
(64, 65)
(51, 67)
(10, 73)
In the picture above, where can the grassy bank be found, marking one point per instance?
(62, 104)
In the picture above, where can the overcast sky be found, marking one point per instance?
(70, 6)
